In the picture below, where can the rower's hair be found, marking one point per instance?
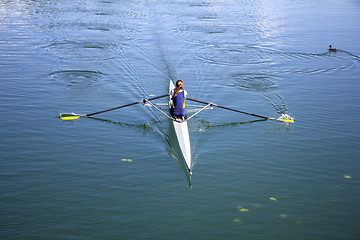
(178, 88)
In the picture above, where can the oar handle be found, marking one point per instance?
(235, 110)
(126, 105)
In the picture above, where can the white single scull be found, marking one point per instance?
(182, 135)
(180, 126)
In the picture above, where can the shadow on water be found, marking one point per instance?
(144, 128)
(173, 148)
(205, 125)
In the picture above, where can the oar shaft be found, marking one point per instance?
(235, 110)
(107, 110)
(126, 105)
(252, 114)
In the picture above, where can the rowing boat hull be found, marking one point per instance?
(182, 135)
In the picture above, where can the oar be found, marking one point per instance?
(235, 110)
(75, 116)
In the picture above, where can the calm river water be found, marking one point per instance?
(119, 175)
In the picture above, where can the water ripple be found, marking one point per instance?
(90, 50)
(78, 78)
(230, 55)
(277, 61)
(257, 82)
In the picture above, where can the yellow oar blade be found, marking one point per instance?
(286, 118)
(69, 116)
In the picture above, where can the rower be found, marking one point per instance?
(332, 49)
(177, 103)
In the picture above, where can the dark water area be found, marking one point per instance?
(118, 175)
